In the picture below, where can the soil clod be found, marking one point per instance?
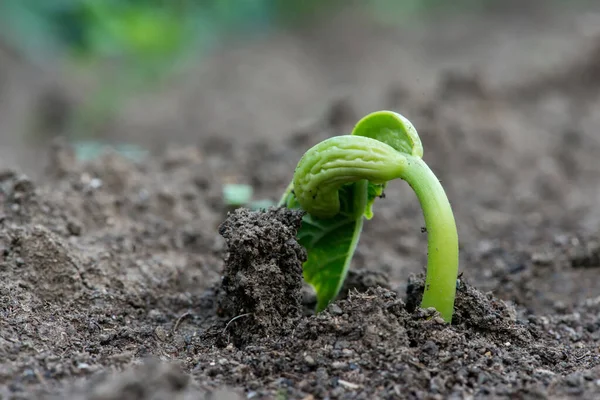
(261, 289)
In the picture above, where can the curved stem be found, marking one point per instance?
(344, 159)
(442, 237)
(339, 160)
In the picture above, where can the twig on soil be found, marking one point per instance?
(348, 385)
(291, 376)
(39, 376)
(9, 339)
(233, 319)
(178, 322)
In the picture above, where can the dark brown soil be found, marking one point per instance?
(126, 279)
(261, 288)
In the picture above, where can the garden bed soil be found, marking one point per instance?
(130, 279)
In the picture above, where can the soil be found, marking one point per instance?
(131, 279)
(261, 288)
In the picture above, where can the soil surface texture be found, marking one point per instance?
(127, 278)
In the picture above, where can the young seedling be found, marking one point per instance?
(337, 181)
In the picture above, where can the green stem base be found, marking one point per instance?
(442, 257)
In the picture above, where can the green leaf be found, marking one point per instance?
(374, 191)
(392, 129)
(236, 195)
(330, 243)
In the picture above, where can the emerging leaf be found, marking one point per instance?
(331, 242)
(392, 129)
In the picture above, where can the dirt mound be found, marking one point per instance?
(262, 281)
(371, 346)
(44, 262)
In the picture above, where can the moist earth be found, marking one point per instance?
(131, 279)
(261, 288)
(116, 285)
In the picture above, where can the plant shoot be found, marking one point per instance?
(337, 181)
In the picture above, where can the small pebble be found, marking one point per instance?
(334, 309)
(348, 385)
(160, 333)
(74, 228)
(95, 183)
(339, 365)
(83, 366)
(309, 360)
(541, 372)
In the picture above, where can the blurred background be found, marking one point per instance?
(146, 73)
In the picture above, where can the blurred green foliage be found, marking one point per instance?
(159, 32)
(147, 39)
(148, 29)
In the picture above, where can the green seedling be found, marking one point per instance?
(237, 195)
(337, 181)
